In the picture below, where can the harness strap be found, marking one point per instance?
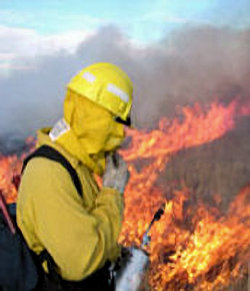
(52, 154)
(100, 280)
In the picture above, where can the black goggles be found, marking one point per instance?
(126, 122)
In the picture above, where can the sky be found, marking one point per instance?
(175, 51)
(43, 27)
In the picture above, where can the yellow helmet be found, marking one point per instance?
(107, 85)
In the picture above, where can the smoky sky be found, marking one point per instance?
(192, 64)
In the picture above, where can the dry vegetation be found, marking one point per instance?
(221, 167)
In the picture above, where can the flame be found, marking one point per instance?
(157, 147)
(210, 253)
(10, 169)
(192, 246)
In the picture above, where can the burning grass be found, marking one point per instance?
(201, 248)
(195, 245)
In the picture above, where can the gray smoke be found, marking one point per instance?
(192, 64)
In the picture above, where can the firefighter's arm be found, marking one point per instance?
(79, 241)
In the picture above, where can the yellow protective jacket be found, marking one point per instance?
(79, 233)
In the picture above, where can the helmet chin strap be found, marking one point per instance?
(126, 122)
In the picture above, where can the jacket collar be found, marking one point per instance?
(44, 139)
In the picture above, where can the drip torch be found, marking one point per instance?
(131, 277)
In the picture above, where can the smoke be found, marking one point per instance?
(188, 65)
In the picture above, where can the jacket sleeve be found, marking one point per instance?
(50, 209)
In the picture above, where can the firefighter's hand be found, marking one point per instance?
(116, 173)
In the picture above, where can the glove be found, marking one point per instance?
(116, 173)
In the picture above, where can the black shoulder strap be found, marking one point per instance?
(52, 154)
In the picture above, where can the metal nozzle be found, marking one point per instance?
(157, 216)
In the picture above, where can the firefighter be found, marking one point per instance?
(79, 233)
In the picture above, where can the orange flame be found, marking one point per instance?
(10, 168)
(185, 249)
(207, 254)
(191, 247)
(157, 147)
